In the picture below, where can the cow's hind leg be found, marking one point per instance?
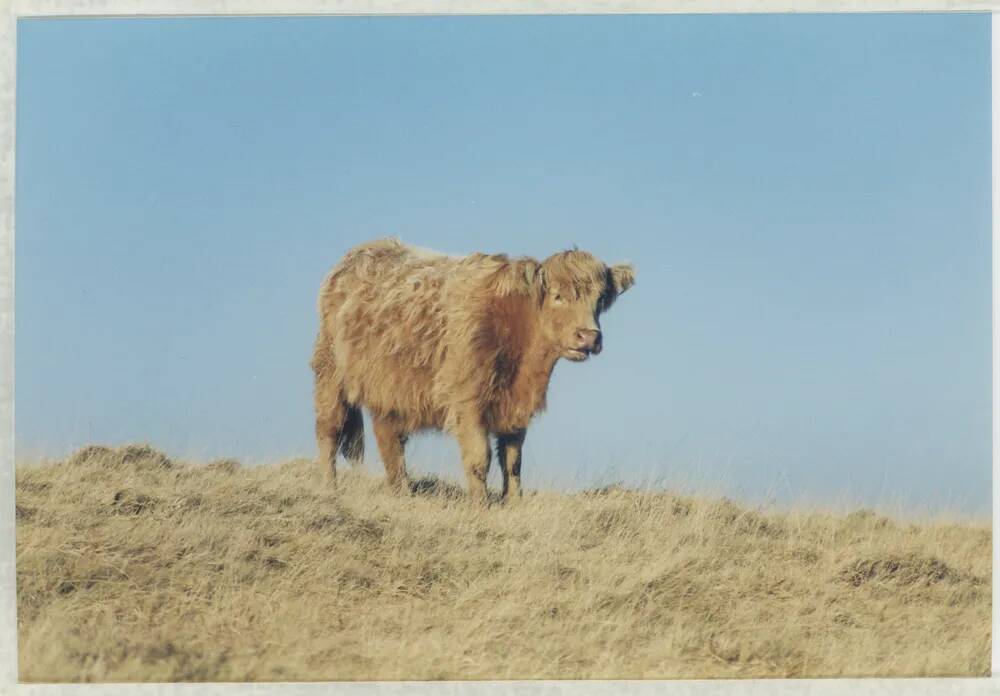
(391, 440)
(331, 410)
(330, 416)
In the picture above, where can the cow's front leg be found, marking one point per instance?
(474, 442)
(509, 458)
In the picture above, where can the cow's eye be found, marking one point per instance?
(556, 297)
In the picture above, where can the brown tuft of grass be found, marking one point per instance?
(132, 566)
(904, 570)
(135, 455)
(226, 466)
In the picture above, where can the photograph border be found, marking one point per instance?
(19, 9)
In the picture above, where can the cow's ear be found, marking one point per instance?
(623, 277)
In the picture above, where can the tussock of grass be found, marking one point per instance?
(134, 567)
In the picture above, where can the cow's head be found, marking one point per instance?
(576, 289)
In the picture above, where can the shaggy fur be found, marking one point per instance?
(461, 344)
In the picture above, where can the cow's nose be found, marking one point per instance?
(589, 339)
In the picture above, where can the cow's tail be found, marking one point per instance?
(352, 436)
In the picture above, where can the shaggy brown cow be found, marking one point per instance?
(460, 344)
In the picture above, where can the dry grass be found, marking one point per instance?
(132, 567)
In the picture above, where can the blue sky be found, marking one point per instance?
(806, 200)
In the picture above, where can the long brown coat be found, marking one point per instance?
(461, 344)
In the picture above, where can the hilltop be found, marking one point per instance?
(132, 566)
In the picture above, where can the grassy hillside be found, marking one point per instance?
(131, 566)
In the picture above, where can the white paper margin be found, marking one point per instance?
(71, 8)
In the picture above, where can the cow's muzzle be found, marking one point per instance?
(588, 342)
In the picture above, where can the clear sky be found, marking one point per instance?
(806, 200)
